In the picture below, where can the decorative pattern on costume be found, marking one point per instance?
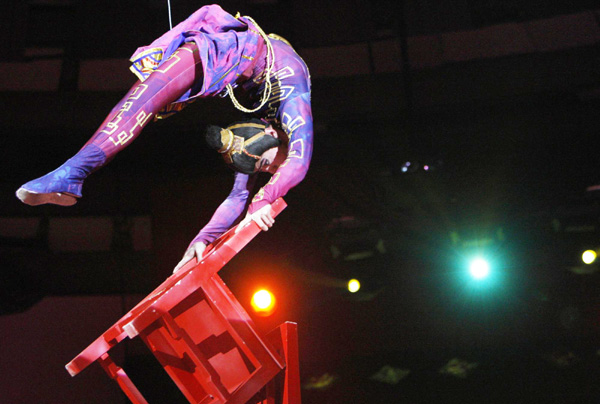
(296, 149)
(226, 45)
(171, 61)
(259, 195)
(124, 137)
(279, 92)
(146, 62)
(113, 125)
(137, 93)
(290, 125)
(284, 73)
(290, 95)
(274, 179)
(172, 109)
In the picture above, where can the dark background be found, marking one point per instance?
(511, 139)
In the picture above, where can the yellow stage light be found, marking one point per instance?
(353, 285)
(589, 256)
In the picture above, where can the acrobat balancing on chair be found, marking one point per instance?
(208, 54)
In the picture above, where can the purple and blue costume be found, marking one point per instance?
(199, 57)
(289, 107)
(227, 47)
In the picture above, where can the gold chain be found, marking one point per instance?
(270, 64)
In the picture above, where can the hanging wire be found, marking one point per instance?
(169, 8)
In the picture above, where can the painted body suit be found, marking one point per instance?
(227, 46)
(198, 58)
(289, 107)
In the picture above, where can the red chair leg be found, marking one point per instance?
(118, 374)
(285, 340)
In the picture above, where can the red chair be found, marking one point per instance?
(203, 338)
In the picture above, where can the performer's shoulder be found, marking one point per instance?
(280, 38)
(287, 51)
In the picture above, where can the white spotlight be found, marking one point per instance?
(479, 268)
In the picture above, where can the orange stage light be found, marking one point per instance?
(263, 303)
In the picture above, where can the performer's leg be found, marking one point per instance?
(125, 122)
(117, 107)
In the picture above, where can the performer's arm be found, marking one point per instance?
(296, 120)
(223, 218)
(229, 210)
